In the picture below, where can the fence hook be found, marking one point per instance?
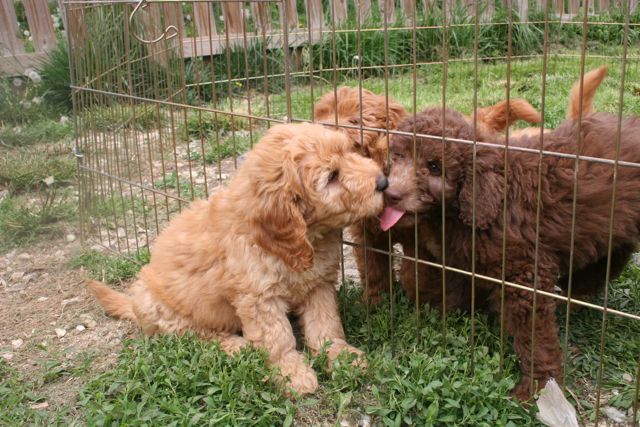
(165, 34)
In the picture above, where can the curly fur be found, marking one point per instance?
(360, 107)
(265, 246)
(422, 196)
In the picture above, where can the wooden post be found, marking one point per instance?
(316, 18)
(10, 43)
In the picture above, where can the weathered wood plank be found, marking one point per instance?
(316, 17)
(10, 43)
(233, 22)
(16, 65)
(364, 7)
(292, 13)
(523, 9)
(40, 24)
(172, 15)
(338, 10)
(216, 45)
(389, 7)
(204, 20)
(408, 8)
(262, 16)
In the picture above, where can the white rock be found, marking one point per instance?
(16, 344)
(344, 423)
(627, 377)
(80, 328)
(7, 356)
(42, 299)
(60, 332)
(71, 237)
(66, 302)
(24, 256)
(614, 414)
(365, 421)
(88, 321)
(18, 275)
(49, 180)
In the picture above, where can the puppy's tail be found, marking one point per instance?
(114, 303)
(495, 116)
(591, 81)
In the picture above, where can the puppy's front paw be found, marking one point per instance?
(303, 380)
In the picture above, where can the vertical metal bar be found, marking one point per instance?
(285, 37)
(227, 30)
(266, 68)
(576, 168)
(199, 112)
(506, 183)
(214, 98)
(443, 253)
(474, 189)
(246, 73)
(539, 194)
(365, 247)
(603, 330)
(416, 248)
(389, 240)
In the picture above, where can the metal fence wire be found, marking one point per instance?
(168, 95)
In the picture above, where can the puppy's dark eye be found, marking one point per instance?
(333, 176)
(434, 168)
(354, 121)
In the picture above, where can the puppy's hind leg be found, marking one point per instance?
(543, 339)
(265, 324)
(320, 320)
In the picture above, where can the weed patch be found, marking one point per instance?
(114, 269)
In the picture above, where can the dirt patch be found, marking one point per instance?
(51, 330)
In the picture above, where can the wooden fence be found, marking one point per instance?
(13, 56)
(212, 33)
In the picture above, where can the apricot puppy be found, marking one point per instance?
(265, 246)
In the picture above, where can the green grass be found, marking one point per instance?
(420, 370)
(110, 269)
(24, 222)
(526, 82)
(185, 381)
(17, 398)
(22, 171)
(44, 130)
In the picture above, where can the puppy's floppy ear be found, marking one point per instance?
(489, 194)
(278, 224)
(396, 114)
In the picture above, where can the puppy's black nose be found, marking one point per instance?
(382, 183)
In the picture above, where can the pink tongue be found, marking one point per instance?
(390, 216)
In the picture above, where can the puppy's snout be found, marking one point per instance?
(393, 196)
(382, 183)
